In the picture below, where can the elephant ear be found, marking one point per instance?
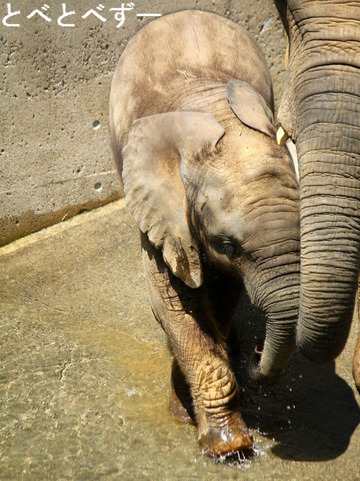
(154, 190)
(250, 107)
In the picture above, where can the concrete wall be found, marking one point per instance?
(55, 157)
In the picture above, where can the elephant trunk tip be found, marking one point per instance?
(258, 372)
(319, 349)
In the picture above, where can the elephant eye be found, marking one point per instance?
(229, 250)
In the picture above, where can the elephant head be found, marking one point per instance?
(226, 196)
(320, 110)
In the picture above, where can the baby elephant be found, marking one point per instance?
(216, 200)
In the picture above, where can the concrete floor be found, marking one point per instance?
(84, 375)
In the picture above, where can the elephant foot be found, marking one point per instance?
(181, 402)
(356, 365)
(225, 440)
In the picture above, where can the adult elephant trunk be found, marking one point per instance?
(320, 109)
(329, 220)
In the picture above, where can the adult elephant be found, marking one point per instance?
(320, 110)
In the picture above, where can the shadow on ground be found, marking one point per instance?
(312, 412)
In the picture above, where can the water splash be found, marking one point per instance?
(241, 459)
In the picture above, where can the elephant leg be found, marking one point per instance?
(224, 300)
(225, 295)
(356, 365)
(200, 352)
(356, 360)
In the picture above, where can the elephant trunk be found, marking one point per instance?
(279, 299)
(330, 235)
(271, 271)
(327, 135)
(320, 109)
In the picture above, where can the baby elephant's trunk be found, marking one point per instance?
(280, 301)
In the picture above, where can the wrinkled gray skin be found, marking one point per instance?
(216, 200)
(320, 110)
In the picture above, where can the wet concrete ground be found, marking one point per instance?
(84, 375)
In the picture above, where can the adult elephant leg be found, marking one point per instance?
(356, 365)
(356, 360)
(200, 352)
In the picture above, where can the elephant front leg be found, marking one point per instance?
(221, 429)
(213, 388)
(200, 356)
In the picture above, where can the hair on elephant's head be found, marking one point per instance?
(228, 194)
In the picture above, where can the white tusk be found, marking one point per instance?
(293, 154)
(281, 136)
